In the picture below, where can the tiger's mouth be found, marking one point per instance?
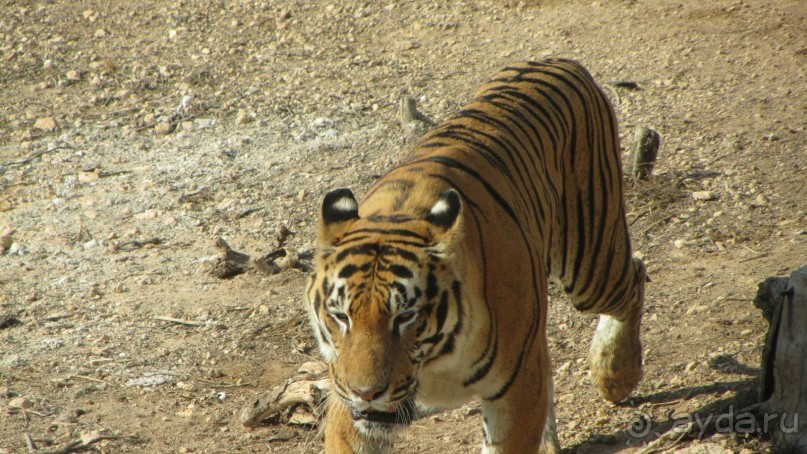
(382, 417)
(401, 415)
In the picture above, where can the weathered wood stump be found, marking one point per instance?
(412, 118)
(644, 155)
(782, 411)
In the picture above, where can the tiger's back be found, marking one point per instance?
(525, 181)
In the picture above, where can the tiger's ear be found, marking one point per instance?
(445, 215)
(339, 208)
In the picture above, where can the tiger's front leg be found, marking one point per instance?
(343, 437)
(522, 420)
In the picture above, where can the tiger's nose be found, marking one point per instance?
(369, 394)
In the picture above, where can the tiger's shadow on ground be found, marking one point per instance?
(659, 417)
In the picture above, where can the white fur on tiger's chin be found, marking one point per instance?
(377, 440)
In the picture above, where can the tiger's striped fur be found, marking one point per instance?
(434, 289)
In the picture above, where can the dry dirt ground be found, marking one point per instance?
(134, 134)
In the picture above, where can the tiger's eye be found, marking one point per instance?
(402, 319)
(342, 317)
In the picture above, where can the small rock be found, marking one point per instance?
(17, 249)
(46, 124)
(13, 360)
(89, 177)
(146, 215)
(282, 435)
(204, 123)
(47, 64)
(6, 240)
(170, 220)
(100, 33)
(90, 437)
(163, 128)
(147, 381)
(703, 195)
(242, 117)
(95, 292)
(20, 402)
(73, 75)
(186, 386)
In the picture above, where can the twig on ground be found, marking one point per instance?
(29, 443)
(674, 435)
(764, 254)
(97, 380)
(639, 216)
(112, 173)
(246, 212)
(615, 93)
(137, 243)
(752, 251)
(179, 321)
(664, 404)
(37, 154)
(85, 442)
(223, 385)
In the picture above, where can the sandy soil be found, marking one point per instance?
(133, 137)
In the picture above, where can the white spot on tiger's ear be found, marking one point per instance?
(446, 210)
(345, 204)
(439, 208)
(339, 205)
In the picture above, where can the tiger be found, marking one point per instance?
(433, 290)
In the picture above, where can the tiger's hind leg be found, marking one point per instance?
(550, 443)
(615, 357)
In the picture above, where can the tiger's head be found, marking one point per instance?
(379, 302)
